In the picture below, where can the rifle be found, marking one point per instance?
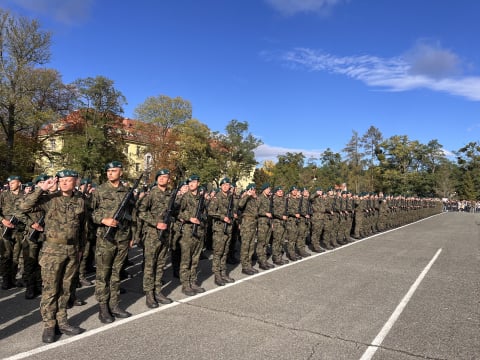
(299, 210)
(270, 208)
(7, 232)
(198, 213)
(229, 212)
(168, 214)
(34, 233)
(121, 211)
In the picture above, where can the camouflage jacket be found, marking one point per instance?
(153, 207)
(249, 207)
(64, 216)
(318, 205)
(105, 202)
(9, 202)
(218, 206)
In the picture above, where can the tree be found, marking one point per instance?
(23, 46)
(236, 148)
(163, 116)
(354, 160)
(97, 135)
(370, 142)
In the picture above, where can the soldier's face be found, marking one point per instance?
(67, 184)
(193, 185)
(114, 174)
(14, 185)
(225, 187)
(162, 180)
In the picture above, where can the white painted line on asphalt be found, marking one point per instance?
(368, 354)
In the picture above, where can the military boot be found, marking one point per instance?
(303, 253)
(7, 282)
(162, 299)
(118, 312)
(187, 290)
(68, 329)
(196, 288)
(30, 292)
(48, 335)
(104, 314)
(317, 249)
(219, 280)
(226, 278)
(150, 300)
(292, 256)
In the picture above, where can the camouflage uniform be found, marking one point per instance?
(279, 219)
(248, 229)
(265, 206)
(218, 210)
(191, 240)
(317, 219)
(152, 209)
(64, 238)
(110, 255)
(11, 242)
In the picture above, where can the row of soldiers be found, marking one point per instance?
(174, 222)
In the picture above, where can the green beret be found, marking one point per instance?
(182, 183)
(41, 177)
(277, 189)
(193, 177)
(318, 189)
(66, 173)
(294, 187)
(85, 181)
(162, 172)
(265, 186)
(28, 184)
(14, 177)
(225, 180)
(113, 164)
(234, 184)
(251, 186)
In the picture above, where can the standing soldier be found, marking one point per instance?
(152, 209)
(278, 226)
(193, 218)
(85, 190)
(221, 209)
(303, 222)
(292, 204)
(65, 237)
(265, 208)
(32, 243)
(248, 228)
(110, 254)
(317, 219)
(175, 232)
(12, 231)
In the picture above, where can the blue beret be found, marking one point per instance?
(162, 172)
(66, 173)
(113, 164)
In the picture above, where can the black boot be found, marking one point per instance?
(104, 314)
(219, 280)
(68, 329)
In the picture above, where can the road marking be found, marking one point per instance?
(368, 354)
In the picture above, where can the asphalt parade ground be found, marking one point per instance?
(407, 293)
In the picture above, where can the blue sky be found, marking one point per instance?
(303, 73)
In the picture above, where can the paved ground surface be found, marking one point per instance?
(410, 293)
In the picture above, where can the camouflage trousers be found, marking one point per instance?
(31, 267)
(303, 232)
(248, 230)
(264, 231)
(109, 258)
(318, 223)
(220, 245)
(10, 250)
(278, 231)
(292, 234)
(191, 248)
(155, 254)
(59, 263)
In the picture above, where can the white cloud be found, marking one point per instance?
(68, 12)
(425, 66)
(292, 7)
(267, 152)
